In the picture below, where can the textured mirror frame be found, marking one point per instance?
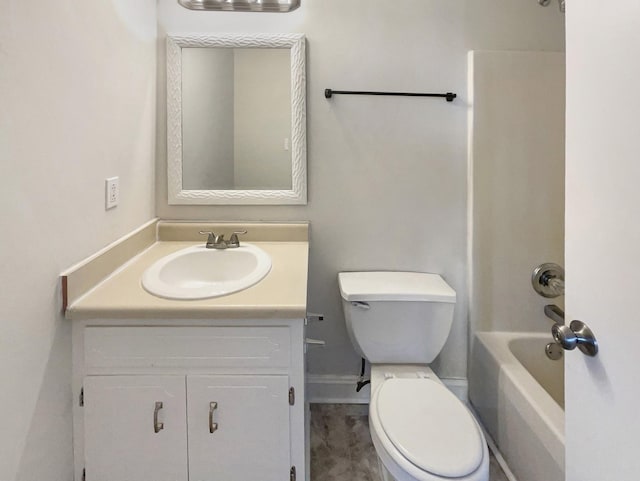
(177, 195)
(241, 5)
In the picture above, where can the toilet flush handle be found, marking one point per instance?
(361, 305)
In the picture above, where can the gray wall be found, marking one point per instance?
(207, 140)
(262, 118)
(518, 185)
(387, 176)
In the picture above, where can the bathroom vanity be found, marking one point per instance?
(209, 389)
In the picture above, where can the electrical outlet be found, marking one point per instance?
(112, 192)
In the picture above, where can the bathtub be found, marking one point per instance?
(518, 394)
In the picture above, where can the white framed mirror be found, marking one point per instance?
(236, 119)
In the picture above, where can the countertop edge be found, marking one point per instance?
(293, 312)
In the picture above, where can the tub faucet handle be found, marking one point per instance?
(548, 280)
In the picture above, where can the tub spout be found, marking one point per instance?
(554, 313)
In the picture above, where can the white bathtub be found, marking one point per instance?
(518, 394)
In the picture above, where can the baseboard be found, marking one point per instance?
(334, 389)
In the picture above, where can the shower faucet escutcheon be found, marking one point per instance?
(215, 241)
(548, 280)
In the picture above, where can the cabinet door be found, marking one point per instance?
(128, 435)
(238, 428)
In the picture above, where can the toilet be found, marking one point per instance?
(399, 322)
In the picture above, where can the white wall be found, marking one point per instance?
(387, 176)
(517, 176)
(78, 93)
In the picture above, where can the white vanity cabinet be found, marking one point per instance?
(120, 438)
(189, 400)
(238, 427)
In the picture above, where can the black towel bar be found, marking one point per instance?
(328, 93)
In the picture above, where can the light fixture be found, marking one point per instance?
(242, 5)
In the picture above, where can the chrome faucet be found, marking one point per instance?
(215, 241)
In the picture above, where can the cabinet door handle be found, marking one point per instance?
(157, 427)
(213, 427)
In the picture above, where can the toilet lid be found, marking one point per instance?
(430, 426)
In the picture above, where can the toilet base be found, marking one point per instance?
(385, 475)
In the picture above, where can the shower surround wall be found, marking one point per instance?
(387, 175)
(517, 184)
(78, 93)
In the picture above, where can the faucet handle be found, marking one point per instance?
(213, 239)
(233, 240)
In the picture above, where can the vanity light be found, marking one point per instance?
(242, 5)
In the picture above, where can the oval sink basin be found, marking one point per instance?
(200, 273)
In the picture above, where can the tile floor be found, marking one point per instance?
(341, 447)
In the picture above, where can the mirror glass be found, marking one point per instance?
(236, 123)
(236, 118)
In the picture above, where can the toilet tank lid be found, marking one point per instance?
(395, 286)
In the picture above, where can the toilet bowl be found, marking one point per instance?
(420, 430)
(399, 321)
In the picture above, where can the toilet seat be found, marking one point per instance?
(422, 425)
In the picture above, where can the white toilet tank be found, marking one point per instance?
(397, 317)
